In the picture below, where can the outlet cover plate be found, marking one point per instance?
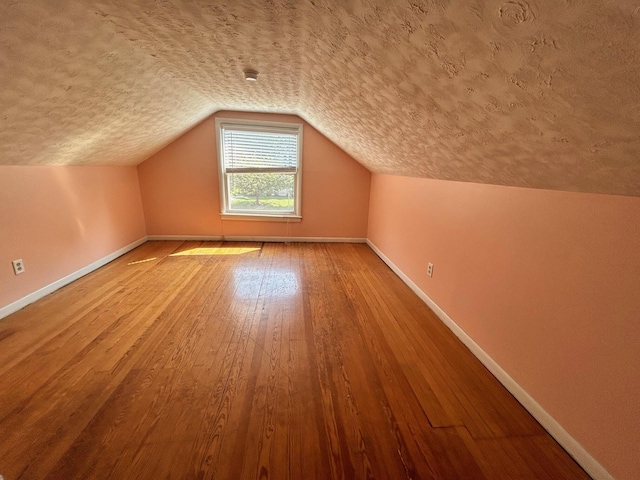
(18, 266)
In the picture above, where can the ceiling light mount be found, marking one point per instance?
(250, 75)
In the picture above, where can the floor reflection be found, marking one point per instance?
(250, 282)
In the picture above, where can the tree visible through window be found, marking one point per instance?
(259, 167)
(262, 191)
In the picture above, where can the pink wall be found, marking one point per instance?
(180, 189)
(61, 219)
(546, 282)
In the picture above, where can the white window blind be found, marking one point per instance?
(260, 168)
(268, 150)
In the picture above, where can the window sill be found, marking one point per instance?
(248, 217)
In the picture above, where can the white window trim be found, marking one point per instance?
(258, 125)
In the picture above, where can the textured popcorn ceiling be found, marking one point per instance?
(542, 94)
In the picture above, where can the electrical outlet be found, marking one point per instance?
(18, 266)
(430, 269)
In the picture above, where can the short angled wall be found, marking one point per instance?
(570, 444)
(52, 287)
(62, 221)
(543, 284)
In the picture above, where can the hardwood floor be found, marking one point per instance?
(189, 360)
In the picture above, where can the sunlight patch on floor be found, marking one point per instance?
(143, 261)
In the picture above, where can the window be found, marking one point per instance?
(259, 168)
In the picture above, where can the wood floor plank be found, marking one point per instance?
(351, 377)
(232, 360)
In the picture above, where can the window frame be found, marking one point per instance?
(223, 174)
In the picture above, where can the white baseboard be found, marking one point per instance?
(570, 444)
(295, 239)
(194, 238)
(248, 238)
(44, 291)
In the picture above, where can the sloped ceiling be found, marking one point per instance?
(542, 94)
